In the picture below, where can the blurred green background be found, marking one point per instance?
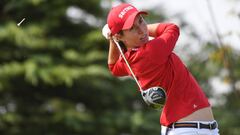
(54, 78)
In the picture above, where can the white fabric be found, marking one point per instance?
(190, 131)
(105, 31)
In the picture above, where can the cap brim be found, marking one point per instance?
(130, 20)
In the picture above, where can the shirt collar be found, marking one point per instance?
(128, 53)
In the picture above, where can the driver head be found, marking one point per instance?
(156, 97)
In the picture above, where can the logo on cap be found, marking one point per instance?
(124, 11)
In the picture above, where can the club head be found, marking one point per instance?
(156, 97)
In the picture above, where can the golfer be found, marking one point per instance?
(187, 110)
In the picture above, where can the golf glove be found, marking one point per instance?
(106, 31)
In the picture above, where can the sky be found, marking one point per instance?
(196, 13)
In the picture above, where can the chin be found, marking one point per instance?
(144, 42)
(140, 45)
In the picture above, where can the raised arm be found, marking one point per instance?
(157, 29)
(116, 67)
(152, 28)
(113, 53)
(165, 37)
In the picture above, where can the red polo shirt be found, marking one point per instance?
(155, 64)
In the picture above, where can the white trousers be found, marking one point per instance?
(189, 131)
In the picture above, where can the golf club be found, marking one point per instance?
(155, 97)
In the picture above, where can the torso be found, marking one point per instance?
(183, 92)
(204, 114)
(154, 68)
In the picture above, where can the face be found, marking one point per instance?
(137, 35)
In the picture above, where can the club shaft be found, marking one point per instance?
(130, 69)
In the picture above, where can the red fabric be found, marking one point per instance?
(122, 17)
(155, 64)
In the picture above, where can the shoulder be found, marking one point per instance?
(153, 44)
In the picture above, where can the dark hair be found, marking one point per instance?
(122, 45)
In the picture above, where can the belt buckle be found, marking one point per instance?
(211, 127)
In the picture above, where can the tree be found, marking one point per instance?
(54, 78)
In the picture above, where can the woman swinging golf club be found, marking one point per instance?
(157, 69)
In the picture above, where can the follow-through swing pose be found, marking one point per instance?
(158, 71)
